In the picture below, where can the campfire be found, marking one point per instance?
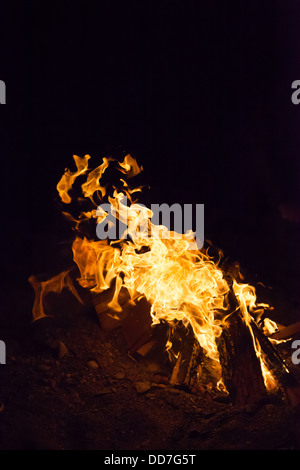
(185, 306)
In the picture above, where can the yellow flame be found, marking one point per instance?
(67, 180)
(130, 167)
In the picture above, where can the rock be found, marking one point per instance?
(92, 364)
(119, 375)
(62, 350)
(142, 387)
(160, 379)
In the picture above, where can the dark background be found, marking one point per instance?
(198, 92)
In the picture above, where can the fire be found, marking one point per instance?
(182, 285)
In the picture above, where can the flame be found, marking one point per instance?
(56, 284)
(67, 180)
(182, 285)
(129, 166)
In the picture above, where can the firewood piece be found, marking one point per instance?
(287, 332)
(187, 360)
(241, 369)
(108, 318)
(146, 348)
(137, 326)
(280, 369)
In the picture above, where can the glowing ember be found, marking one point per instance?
(182, 285)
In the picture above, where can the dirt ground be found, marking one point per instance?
(70, 385)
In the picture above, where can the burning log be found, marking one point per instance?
(283, 374)
(187, 360)
(241, 370)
